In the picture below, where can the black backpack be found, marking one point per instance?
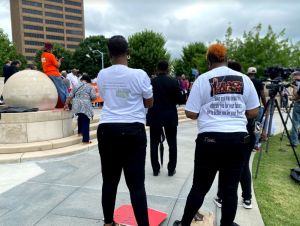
(295, 174)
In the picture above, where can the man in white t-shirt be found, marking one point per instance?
(121, 134)
(220, 100)
(73, 78)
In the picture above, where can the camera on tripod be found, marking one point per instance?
(277, 77)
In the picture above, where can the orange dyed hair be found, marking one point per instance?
(216, 53)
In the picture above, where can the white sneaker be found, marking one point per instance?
(247, 204)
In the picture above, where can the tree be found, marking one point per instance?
(254, 49)
(194, 56)
(146, 49)
(59, 51)
(8, 51)
(88, 56)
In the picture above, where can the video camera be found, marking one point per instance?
(277, 77)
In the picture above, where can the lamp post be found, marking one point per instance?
(97, 51)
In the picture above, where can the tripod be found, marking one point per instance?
(288, 116)
(270, 108)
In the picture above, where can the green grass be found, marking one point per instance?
(278, 196)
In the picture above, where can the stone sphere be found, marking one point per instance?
(31, 89)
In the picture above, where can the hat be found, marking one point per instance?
(48, 46)
(251, 70)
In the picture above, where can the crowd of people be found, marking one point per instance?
(225, 103)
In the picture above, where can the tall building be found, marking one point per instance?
(35, 22)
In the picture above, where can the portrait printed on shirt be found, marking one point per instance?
(226, 93)
(230, 84)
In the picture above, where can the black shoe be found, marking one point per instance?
(171, 173)
(177, 223)
(156, 173)
(235, 224)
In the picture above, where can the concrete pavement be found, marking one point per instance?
(67, 191)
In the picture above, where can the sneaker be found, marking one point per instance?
(171, 173)
(177, 223)
(247, 204)
(156, 173)
(218, 202)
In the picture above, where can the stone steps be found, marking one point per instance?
(16, 153)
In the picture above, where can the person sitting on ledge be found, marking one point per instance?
(51, 68)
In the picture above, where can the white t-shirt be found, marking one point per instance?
(221, 97)
(73, 80)
(123, 89)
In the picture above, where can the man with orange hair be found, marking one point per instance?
(221, 100)
(51, 68)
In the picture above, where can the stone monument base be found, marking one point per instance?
(16, 128)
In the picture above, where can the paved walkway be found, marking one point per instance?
(67, 191)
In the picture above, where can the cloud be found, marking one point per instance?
(182, 22)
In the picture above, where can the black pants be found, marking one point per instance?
(223, 152)
(155, 137)
(84, 127)
(122, 146)
(246, 174)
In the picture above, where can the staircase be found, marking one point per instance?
(16, 153)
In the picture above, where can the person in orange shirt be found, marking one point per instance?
(51, 68)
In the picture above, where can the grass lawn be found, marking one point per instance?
(278, 196)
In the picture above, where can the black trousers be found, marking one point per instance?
(84, 127)
(155, 137)
(122, 146)
(223, 152)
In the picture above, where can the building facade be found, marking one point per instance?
(35, 22)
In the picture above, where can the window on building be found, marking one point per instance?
(33, 35)
(54, 37)
(54, 22)
(32, 11)
(73, 25)
(52, 29)
(57, 1)
(68, 2)
(54, 15)
(37, 4)
(34, 43)
(73, 17)
(33, 27)
(73, 32)
(71, 39)
(72, 46)
(32, 19)
(70, 10)
(29, 50)
(55, 7)
(31, 58)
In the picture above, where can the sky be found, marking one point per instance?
(182, 21)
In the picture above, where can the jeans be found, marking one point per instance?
(155, 137)
(295, 123)
(84, 127)
(122, 146)
(60, 87)
(223, 152)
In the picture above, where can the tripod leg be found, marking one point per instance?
(272, 108)
(287, 132)
(265, 113)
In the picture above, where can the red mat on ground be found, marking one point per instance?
(124, 215)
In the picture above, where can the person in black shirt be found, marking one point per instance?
(163, 114)
(13, 68)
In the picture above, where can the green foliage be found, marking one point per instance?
(9, 52)
(59, 51)
(146, 49)
(90, 46)
(261, 51)
(278, 196)
(194, 56)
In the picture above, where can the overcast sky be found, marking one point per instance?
(182, 21)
